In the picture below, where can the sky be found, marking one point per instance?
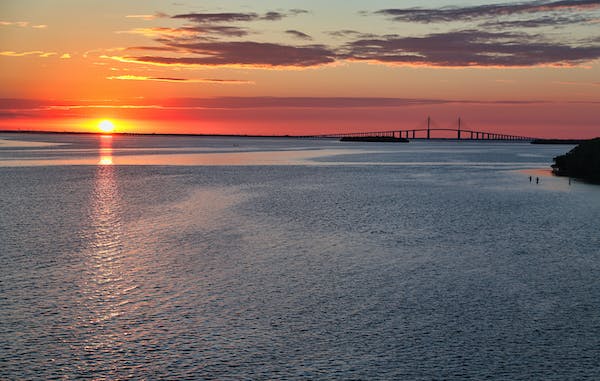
(300, 67)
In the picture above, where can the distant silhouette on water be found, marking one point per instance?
(529, 178)
(537, 180)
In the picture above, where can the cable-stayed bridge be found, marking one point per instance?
(432, 131)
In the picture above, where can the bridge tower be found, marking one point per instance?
(428, 127)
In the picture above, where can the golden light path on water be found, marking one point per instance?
(105, 284)
(106, 150)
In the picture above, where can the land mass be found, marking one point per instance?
(581, 162)
(558, 141)
(377, 139)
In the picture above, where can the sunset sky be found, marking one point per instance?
(300, 67)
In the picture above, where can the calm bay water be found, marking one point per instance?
(230, 258)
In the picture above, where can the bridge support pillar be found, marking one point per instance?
(428, 128)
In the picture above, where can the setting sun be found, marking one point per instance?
(106, 126)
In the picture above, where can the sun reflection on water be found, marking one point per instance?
(106, 157)
(105, 284)
(106, 150)
(107, 245)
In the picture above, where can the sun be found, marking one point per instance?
(106, 126)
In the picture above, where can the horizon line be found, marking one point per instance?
(320, 136)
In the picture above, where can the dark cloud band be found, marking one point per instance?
(207, 18)
(492, 39)
(449, 14)
(470, 48)
(245, 53)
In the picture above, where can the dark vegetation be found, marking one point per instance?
(558, 141)
(582, 161)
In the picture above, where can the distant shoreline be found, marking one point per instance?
(558, 141)
(374, 139)
(148, 134)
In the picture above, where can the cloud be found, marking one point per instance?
(152, 48)
(20, 103)
(210, 40)
(221, 30)
(298, 34)
(450, 14)
(209, 18)
(65, 56)
(273, 16)
(296, 12)
(202, 18)
(32, 105)
(470, 48)
(148, 17)
(547, 21)
(495, 37)
(200, 43)
(467, 48)
(346, 33)
(209, 24)
(87, 53)
(571, 83)
(241, 53)
(304, 102)
(198, 31)
(8, 53)
(142, 17)
(23, 24)
(181, 80)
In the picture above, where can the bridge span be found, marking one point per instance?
(428, 133)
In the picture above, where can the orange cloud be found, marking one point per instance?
(39, 53)
(181, 80)
(148, 17)
(23, 24)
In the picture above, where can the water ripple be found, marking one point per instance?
(308, 272)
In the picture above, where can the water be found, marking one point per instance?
(230, 258)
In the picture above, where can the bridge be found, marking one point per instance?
(433, 132)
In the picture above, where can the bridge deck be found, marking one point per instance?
(426, 133)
